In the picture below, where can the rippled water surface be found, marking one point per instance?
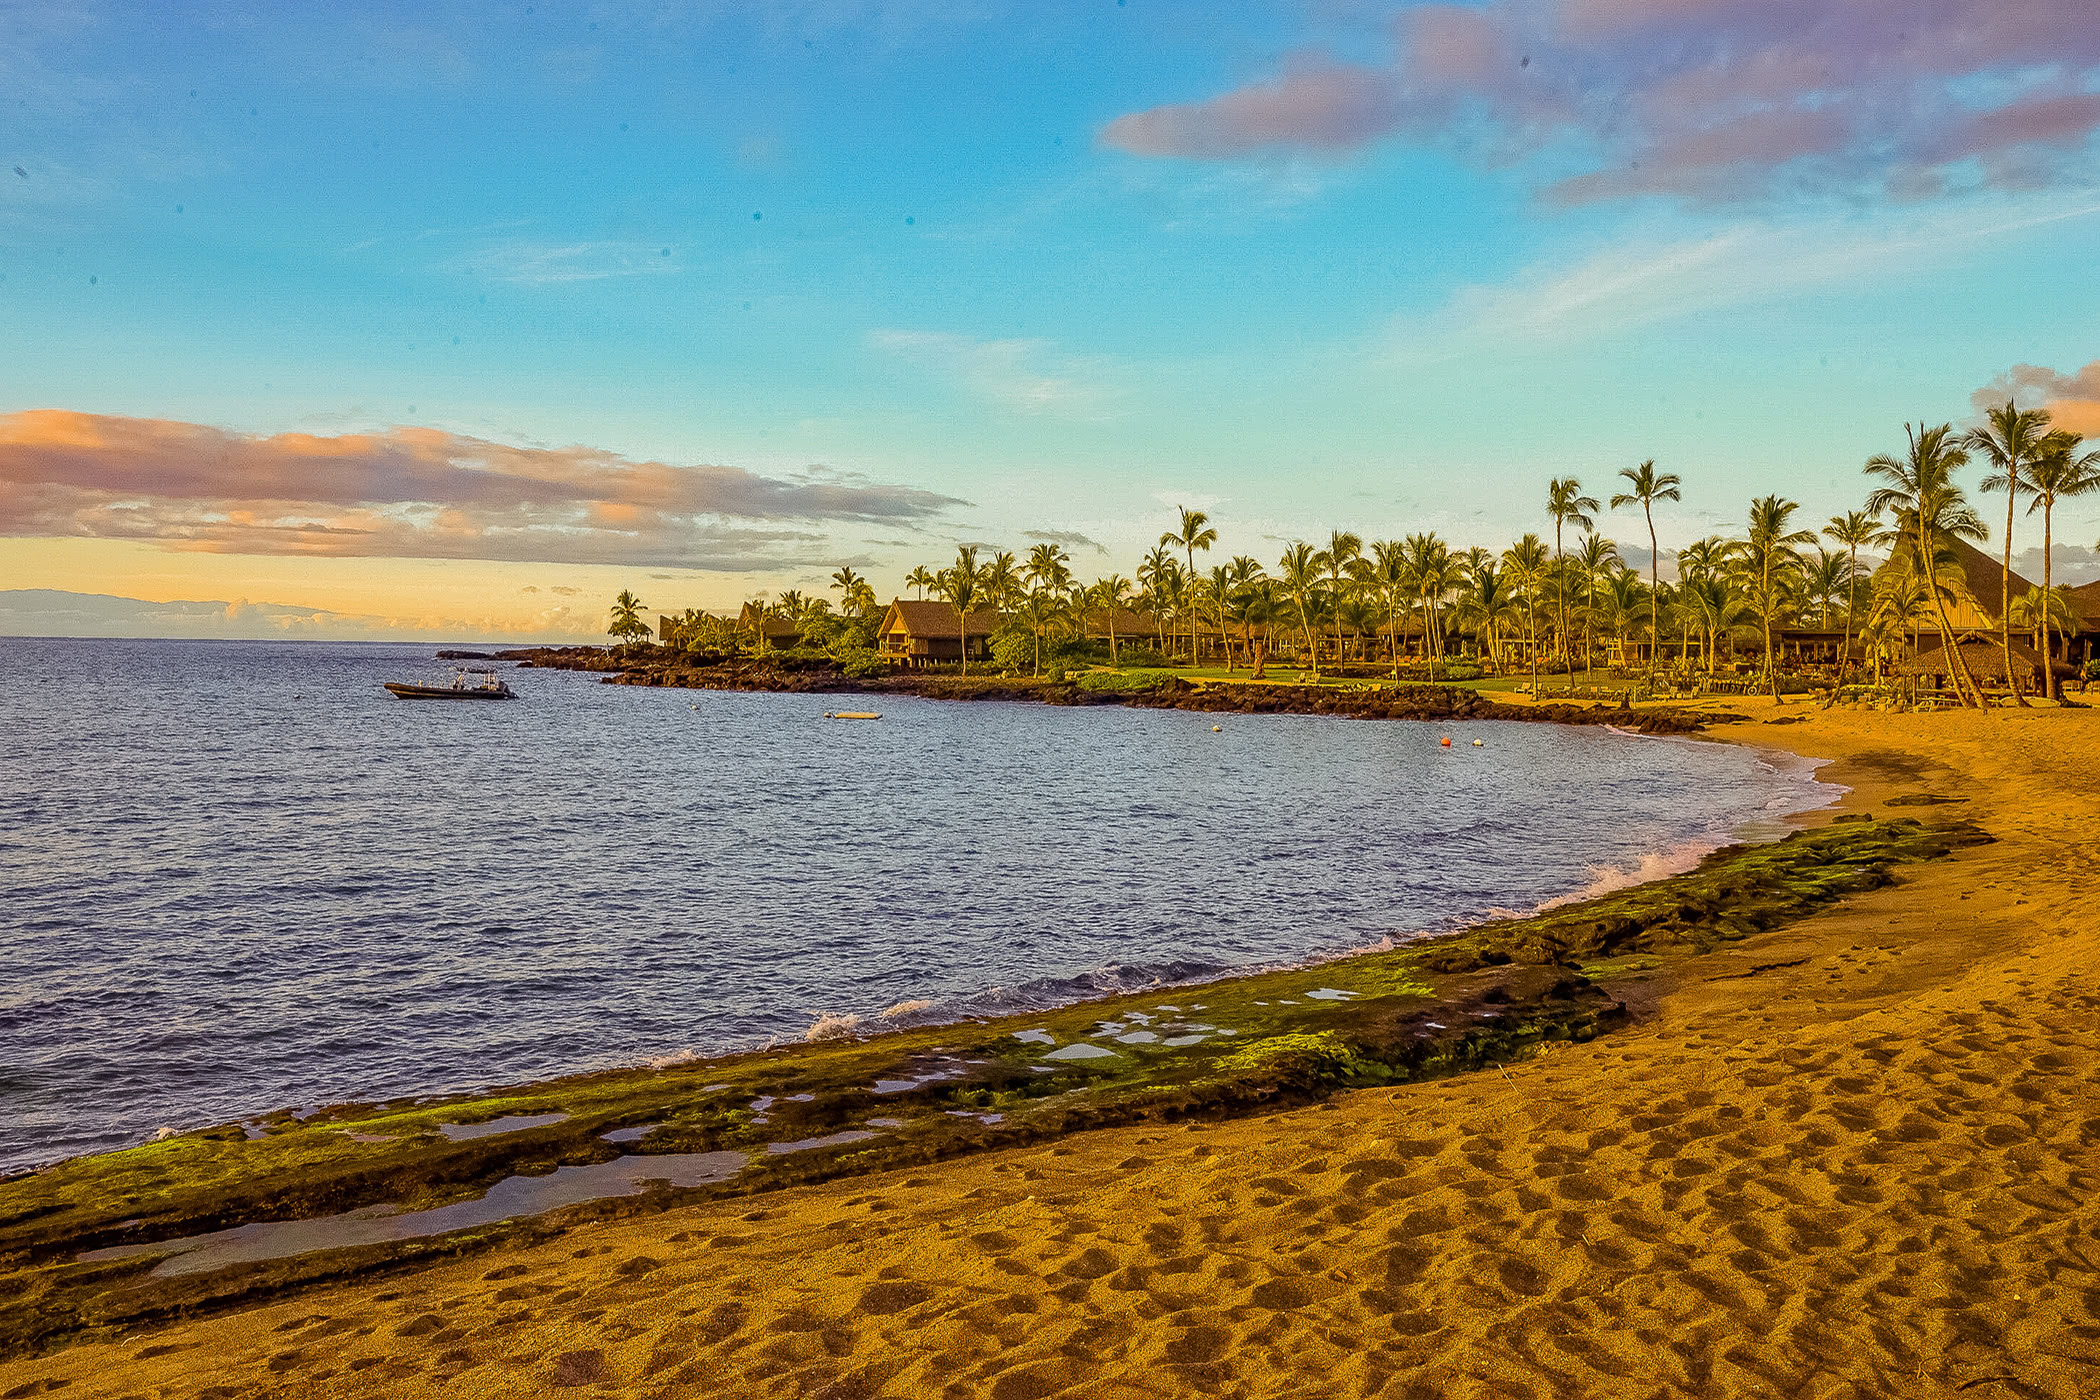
(238, 876)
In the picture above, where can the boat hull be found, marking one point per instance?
(402, 691)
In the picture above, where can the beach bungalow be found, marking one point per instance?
(773, 632)
(928, 633)
(1984, 659)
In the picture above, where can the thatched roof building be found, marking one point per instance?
(923, 632)
(1985, 661)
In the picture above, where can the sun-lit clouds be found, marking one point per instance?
(1021, 376)
(2073, 400)
(47, 612)
(1711, 101)
(416, 493)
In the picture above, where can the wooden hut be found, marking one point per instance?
(772, 631)
(928, 633)
(1984, 658)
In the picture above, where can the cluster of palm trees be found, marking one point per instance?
(1561, 608)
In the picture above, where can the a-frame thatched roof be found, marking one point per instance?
(930, 618)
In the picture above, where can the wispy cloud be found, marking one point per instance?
(1022, 376)
(552, 264)
(1627, 285)
(417, 493)
(1712, 101)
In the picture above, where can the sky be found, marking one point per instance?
(435, 320)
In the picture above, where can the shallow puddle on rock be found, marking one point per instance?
(1081, 1051)
(512, 1197)
(631, 1134)
(1329, 994)
(830, 1140)
(516, 1123)
(1036, 1037)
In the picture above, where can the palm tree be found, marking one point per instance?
(921, 578)
(2058, 474)
(1301, 567)
(1852, 529)
(1254, 604)
(1047, 567)
(1715, 607)
(1485, 603)
(1647, 486)
(1525, 563)
(1391, 576)
(1107, 594)
(962, 585)
(1596, 555)
(1001, 580)
(1825, 579)
(1195, 534)
(1929, 507)
(1343, 549)
(1768, 563)
(1623, 601)
(1356, 614)
(1158, 577)
(1431, 572)
(1568, 506)
(627, 622)
(1041, 612)
(2011, 439)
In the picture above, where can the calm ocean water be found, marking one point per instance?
(236, 877)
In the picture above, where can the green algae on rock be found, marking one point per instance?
(1239, 1045)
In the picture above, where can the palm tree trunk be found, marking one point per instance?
(1654, 562)
(2054, 686)
(2012, 494)
(1964, 687)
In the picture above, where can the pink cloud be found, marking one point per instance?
(2073, 400)
(1316, 108)
(1701, 99)
(411, 492)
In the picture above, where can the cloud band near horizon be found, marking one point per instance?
(411, 492)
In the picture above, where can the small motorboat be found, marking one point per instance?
(468, 683)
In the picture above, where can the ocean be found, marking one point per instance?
(238, 876)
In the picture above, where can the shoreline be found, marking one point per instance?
(1369, 698)
(1771, 1120)
(978, 1007)
(1380, 1027)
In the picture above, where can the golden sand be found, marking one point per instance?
(1853, 1157)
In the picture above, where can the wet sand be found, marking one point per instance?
(1851, 1157)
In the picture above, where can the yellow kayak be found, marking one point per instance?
(852, 714)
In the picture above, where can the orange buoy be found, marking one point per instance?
(1447, 741)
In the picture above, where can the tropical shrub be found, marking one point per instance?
(1013, 648)
(1121, 682)
(863, 664)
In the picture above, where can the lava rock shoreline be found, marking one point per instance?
(1417, 701)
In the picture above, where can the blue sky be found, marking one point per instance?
(1058, 266)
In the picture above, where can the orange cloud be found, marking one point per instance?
(414, 493)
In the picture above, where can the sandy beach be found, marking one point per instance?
(1854, 1156)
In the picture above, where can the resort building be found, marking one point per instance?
(928, 633)
(769, 630)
